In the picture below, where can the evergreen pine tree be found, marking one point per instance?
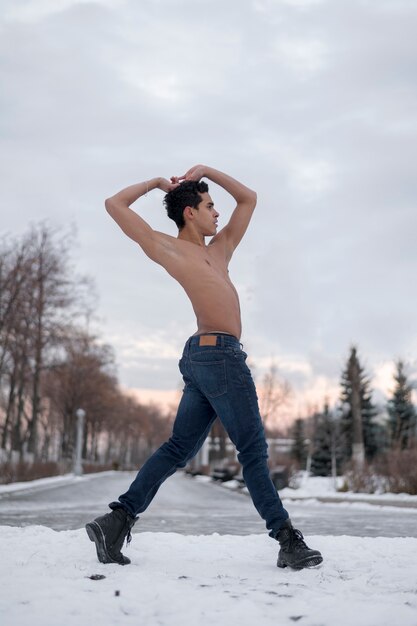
(299, 448)
(321, 460)
(354, 381)
(402, 414)
(371, 430)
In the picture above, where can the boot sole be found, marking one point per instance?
(312, 561)
(96, 535)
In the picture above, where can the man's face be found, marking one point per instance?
(206, 216)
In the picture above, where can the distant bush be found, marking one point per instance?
(364, 480)
(393, 472)
(24, 471)
(399, 470)
(91, 468)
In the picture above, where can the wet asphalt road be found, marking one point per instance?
(187, 506)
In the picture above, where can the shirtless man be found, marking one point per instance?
(217, 379)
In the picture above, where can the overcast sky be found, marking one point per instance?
(312, 103)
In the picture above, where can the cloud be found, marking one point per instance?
(312, 103)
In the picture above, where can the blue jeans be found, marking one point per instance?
(217, 383)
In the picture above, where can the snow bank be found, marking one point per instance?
(178, 580)
(52, 481)
(322, 487)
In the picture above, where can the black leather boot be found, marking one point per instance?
(294, 552)
(109, 532)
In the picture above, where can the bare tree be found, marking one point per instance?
(14, 265)
(15, 338)
(50, 366)
(275, 392)
(37, 295)
(81, 378)
(52, 298)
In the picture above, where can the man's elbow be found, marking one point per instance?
(110, 206)
(254, 198)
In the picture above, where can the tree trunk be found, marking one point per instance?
(358, 448)
(8, 423)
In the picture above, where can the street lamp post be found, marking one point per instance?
(78, 468)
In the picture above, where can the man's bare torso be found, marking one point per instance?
(203, 273)
(201, 270)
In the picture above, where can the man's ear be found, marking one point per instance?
(188, 212)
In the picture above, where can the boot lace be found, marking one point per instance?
(297, 539)
(129, 524)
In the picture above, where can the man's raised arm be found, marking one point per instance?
(245, 202)
(118, 206)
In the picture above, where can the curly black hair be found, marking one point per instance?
(186, 194)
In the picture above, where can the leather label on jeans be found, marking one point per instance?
(208, 340)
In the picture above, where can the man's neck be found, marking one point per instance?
(191, 235)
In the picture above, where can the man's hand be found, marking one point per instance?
(245, 198)
(166, 185)
(194, 173)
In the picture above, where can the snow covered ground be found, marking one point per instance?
(181, 580)
(188, 579)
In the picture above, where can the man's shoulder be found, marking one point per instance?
(221, 245)
(165, 240)
(172, 249)
(182, 246)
